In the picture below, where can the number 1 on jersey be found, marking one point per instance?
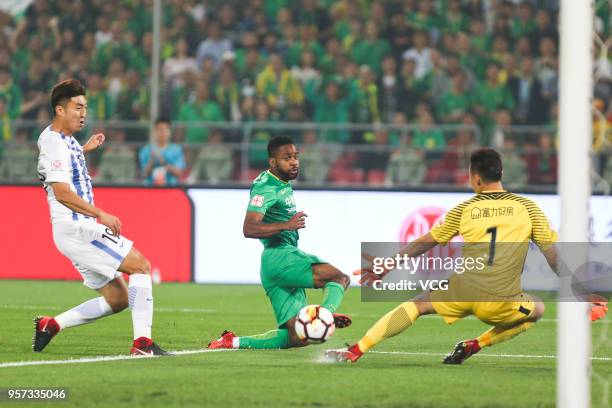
(493, 232)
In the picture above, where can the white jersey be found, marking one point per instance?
(61, 160)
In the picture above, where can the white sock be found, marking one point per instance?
(236, 342)
(140, 295)
(84, 313)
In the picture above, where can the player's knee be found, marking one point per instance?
(344, 280)
(120, 305)
(119, 302)
(340, 278)
(142, 265)
(538, 313)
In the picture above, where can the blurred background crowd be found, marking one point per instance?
(381, 93)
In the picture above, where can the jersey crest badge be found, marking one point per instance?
(257, 201)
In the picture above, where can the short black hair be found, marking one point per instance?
(277, 142)
(162, 119)
(487, 163)
(63, 91)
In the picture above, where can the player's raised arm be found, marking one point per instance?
(254, 227)
(70, 199)
(440, 234)
(94, 142)
(545, 237)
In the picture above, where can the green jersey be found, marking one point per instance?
(274, 198)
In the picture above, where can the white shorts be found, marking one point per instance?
(93, 250)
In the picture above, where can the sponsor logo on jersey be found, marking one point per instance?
(257, 201)
(57, 165)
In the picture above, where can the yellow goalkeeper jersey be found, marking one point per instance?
(498, 226)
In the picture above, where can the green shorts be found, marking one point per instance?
(285, 273)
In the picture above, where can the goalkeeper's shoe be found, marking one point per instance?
(341, 320)
(598, 310)
(45, 328)
(144, 346)
(463, 350)
(226, 341)
(350, 354)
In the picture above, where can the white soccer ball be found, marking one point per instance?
(315, 324)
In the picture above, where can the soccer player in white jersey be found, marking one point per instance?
(96, 249)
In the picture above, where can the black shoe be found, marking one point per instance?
(42, 334)
(152, 350)
(463, 350)
(341, 320)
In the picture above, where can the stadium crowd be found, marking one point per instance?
(477, 67)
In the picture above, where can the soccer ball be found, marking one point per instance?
(315, 324)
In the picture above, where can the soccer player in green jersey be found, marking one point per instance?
(286, 271)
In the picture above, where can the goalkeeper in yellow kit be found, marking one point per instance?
(490, 218)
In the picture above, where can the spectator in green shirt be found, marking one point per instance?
(366, 108)
(308, 42)
(427, 136)
(10, 93)
(372, 49)
(455, 103)
(110, 50)
(423, 18)
(524, 23)
(455, 19)
(133, 100)
(182, 92)
(202, 109)
(470, 57)
(332, 107)
(277, 86)
(98, 102)
(490, 96)
(479, 37)
(249, 62)
(227, 92)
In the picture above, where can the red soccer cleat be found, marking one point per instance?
(226, 341)
(45, 328)
(463, 350)
(348, 355)
(144, 346)
(341, 321)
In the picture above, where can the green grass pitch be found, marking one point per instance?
(519, 373)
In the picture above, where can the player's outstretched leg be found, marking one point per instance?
(113, 300)
(273, 339)
(140, 300)
(467, 348)
(334, 284)
(391, 324)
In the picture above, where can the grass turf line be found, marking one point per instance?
(272, 378)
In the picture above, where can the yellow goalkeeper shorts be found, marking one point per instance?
(495, 313)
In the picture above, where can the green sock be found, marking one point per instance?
(274, 339)
(332, 296)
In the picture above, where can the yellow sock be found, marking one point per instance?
(391, 324)
(499, 334)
